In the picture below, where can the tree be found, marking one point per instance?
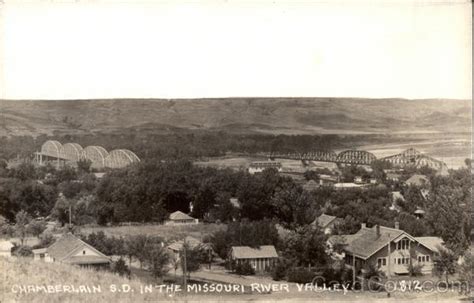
(293, 206)
(24, 171)
(448, 216)
(157, 259)
(21, 226)
(306, 246)
(444, 263)
(121, 268)
(35, 227)
(84, 165)
(466, 274)
(191, 258)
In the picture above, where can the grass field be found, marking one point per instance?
(168, 232)
(21, 272)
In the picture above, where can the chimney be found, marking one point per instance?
(363, 225)
(397, 225)
(377, 230)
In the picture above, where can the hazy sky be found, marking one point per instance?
(176, 49)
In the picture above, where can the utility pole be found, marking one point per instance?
(70, 217)
(185, 282)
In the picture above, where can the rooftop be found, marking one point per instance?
(247, 252)
(324, 220)
(418, 180)
(179, 215)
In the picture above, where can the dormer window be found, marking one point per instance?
(403, 244)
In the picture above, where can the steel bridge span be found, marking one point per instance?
(409, 157)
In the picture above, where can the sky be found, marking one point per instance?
(191, 49)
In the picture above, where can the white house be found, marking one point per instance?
(72, 250)
(6, 248)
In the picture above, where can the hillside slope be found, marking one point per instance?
(247, 115)
(24, 271)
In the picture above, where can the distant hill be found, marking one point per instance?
(241, 115)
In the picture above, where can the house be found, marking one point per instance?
(177, 246)
(235, 202)
(258, 167)
(260, 258)
(417, 180)
(373, 181)
(178, 217)
(358, 179)
(310, 185)
(72, 250)
(327, 180)
(347, 185)
(390, 249)
(6, 248)
(327, 223)
(393, 177)
(419, 213)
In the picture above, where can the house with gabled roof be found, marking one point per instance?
(72, 250)
(417, 180)
(392, 250)
(327, 222)
(260, 258)
(178, 217)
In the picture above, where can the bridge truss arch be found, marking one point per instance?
(71, 152)
(96, 154)
(51, 148)
(119, 158)
(356, 157)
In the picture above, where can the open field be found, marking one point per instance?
(168, 232)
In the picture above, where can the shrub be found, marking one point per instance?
(22, 251)
(280, 270)
(121, 268)
(300, 275)
(244, 269)
(414, 270)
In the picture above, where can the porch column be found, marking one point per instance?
(389, 262)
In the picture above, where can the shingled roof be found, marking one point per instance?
(66, 245)
(430, 242)
(366, 242)
(324, 220)
(417, 180)
(247, 252)
(179, 215)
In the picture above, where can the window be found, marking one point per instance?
(381, 262)
(423, 259)
(403, 244)
(83, 252)
(427, 258)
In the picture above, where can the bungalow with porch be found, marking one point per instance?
(392, 250)
(260, 258)
(72, 250)
(178, 217)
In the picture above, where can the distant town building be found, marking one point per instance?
(235, 202)
(258, 167)
(260, 258)
(358, 179)
(6, 248)
(327, 180)
(72, 250)
(391, 249)
(393, 177)
(419, 213)
(327, 223)
(178, 217)
(417, 180)
(347, 185)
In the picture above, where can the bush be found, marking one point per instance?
(280, 270)
(121, 268)
(22, 251)
(415, 270)
(301, 275)
(244, 269)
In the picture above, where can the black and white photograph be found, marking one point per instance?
(236, 150)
